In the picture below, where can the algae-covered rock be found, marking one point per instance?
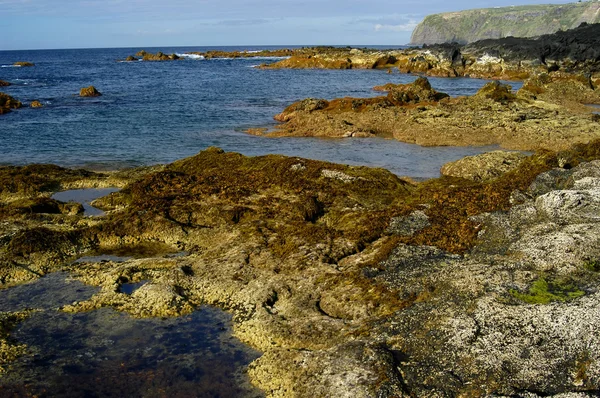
(568, 89)
(90, 91)
(23, 64)
(7, 103)
(352, 281)
(418, 114)
(36, 104)
(418, 91)
(130, 58)
(497, 92)
(482, 167)
(159, 56)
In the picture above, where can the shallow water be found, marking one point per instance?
(85, 197)
(595, 107)
(158, 112)
(101, 258)
(106, 353)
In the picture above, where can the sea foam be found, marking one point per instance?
(191, 56)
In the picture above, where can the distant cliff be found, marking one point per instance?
(493, 23)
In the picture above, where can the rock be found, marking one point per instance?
(89, 92)
(159, 56)
(7, 103)
(568, 89)
(351, 281)
(418, 91)
(23, 64)
(131, 59)
(571, 206)
(4, 84)
(416, 113)
(36, 104)
(141, 53)
(310, 62)
(409, 225)
(385, 62)
(497, 92)
(483, 167)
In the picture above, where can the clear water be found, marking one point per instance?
(85, 197)
(105, 353)
(157, 112)
(595, 108)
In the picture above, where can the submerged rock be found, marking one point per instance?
(4, 84)
(36, 104)
(90, 91)
(23, 64)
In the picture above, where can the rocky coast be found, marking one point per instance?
(511, 58)
(350, 280)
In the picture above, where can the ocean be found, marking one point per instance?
(157, 112)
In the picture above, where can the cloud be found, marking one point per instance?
(244, 22)
(405, 27)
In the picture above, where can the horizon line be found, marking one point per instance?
(215, 46)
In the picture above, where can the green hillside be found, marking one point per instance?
(492, 23)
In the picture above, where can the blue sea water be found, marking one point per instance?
(157, 112)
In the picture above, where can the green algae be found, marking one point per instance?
(543, 292)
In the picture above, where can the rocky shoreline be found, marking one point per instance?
(572, 51)
(534, 118)
(351, 281)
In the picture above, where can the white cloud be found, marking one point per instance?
(406, 27)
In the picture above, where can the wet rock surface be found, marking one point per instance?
(351, 281)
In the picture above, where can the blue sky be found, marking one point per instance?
(38, 24)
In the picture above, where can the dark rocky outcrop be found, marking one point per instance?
(572, 47)
(4, 84)
(90, 91)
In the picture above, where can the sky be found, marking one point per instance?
(52, 24)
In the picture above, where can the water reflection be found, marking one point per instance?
(106, 353)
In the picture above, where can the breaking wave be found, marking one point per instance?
(191, 56)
